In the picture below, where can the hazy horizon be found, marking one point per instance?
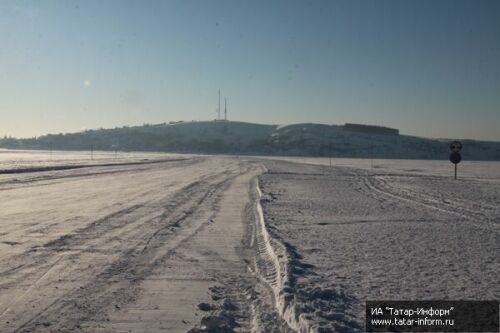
(428, 68)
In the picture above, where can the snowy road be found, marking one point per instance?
(214, 244)
(130, 248)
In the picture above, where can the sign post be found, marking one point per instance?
(455, 156)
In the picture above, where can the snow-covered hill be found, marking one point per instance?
(228, 137)
(326, 140)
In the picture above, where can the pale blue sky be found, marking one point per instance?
(430, 68)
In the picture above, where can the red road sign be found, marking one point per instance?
(455, 157)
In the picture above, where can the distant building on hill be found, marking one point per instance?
(370, 129)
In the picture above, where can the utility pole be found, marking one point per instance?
(51, 151)
(91, 151)
(330, 153)
(371, 156)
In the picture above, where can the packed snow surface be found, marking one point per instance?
(181, 243)
(358, 234)
(32, 159)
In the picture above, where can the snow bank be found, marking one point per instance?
(305, 309)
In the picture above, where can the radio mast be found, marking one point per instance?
(218, 108)
(225, 108)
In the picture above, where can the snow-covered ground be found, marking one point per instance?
(22, 159)
(139, 247)
(178, 243)
(486, 170)
(356, 234)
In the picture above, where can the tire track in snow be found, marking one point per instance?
(141, 229)
(478, 218)
(274, 265)
(32, 179)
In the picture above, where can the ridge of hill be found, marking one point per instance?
(231, 137)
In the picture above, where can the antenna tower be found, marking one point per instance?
(218, 108)
(225, 108)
